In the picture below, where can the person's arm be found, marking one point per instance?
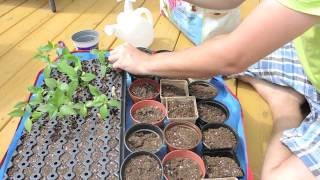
(268, 28)
(216, 4)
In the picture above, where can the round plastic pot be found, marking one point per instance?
(86, 39)
(139, 82)
(138, 153)
(185, 154)
(206, 148)
(187, 125)
(229, 154)
(201, 121)
(204, 84)
(145, 103)
(141, 127)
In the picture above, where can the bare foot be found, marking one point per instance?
(283, 101)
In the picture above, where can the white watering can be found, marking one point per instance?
(132, 26)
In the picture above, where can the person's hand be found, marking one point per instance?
(128, 58)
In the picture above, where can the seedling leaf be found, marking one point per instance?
(28, 125)
(87, 77)
(16, 113)
(104, 112)
(94, 91)
(114, 103)
(51, 83)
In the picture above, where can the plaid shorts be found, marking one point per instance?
(283, 67)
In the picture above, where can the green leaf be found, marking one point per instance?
(104, 112)
(103, 70)
(66, 110)
(47, 72)
(73, 86)
(114, 103)
(94, 51)
(43, 58)
(20, 105)
(51, 83)
(35, 90)
(35, 115)
(83, 111)
(28, 108)
(16, 113)
(94, 91)
(35, 100)
(58, 97)
(99, 100)
(62, 51)
(68, 70)
(87, 77)
(28, 125)
(63, 86)
(46, 48)
(89, 104)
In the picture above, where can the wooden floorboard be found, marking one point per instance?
(13, 36)
(9, 5)
(19, 13)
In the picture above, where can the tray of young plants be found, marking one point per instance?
(175, 129)
(71, 123)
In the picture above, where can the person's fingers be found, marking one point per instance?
(113, 58)
(116, 65)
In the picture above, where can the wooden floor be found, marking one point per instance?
(27, 24)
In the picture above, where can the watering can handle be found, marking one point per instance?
(145, 11)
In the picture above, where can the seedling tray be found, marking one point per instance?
(99, 156)
(235, 121)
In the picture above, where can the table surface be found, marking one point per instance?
(27, 24)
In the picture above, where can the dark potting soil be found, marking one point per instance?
(148, 114)
(182, 168)
(142, 167)
(202, 91)
(181, 108)
(211, 113)
(219, 138)
(170, 90)
(182, 137)
(144, 140)
(144, 90)
(220, 167)
(72, 146)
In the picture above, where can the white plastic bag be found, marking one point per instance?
(197, 23)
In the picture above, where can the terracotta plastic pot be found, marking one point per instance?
(201, 121)
(229, 154)
(206, 148)
(148, 103)
(139, 82)
(138, 153)
(189, 125)
(204, 84)
(145, 127)
(185, 154)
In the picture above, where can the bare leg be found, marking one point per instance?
(285, 106)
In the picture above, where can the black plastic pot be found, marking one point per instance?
(203, 83)
(201, 121)
(229, 154)
(206, 148)
(135, 154)
(143, 127)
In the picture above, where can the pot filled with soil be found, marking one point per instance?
(202, 90)
(144, 89)
(144, 137)
(182, 109)
(181, 135)
(219, 137)
(222, 164)
(211, 112)
(148, 111)
(172, 88)
(183, 164)
(141, 165)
